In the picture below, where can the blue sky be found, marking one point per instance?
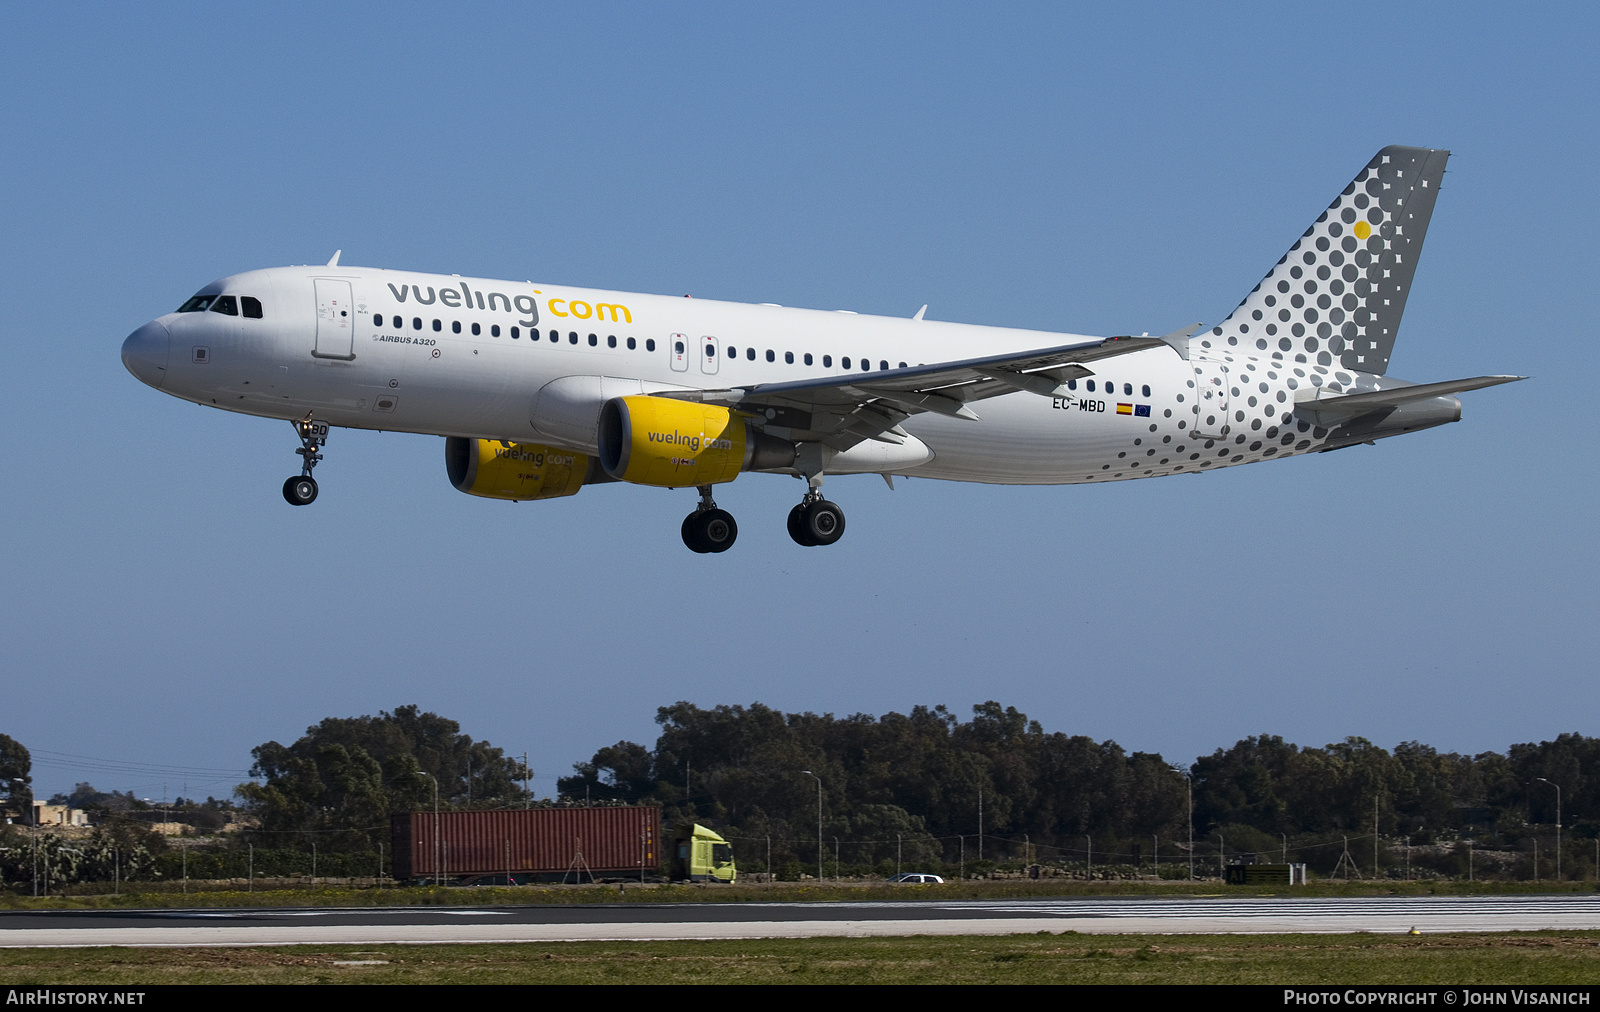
(1095, 169)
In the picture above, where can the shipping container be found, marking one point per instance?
(528, 845)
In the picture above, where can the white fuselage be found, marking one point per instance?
(446, 355)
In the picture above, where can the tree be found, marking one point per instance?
(901, 780)
(348, 775)
(16, 775)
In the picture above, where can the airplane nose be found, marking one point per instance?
(144, 353)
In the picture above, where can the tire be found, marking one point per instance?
(717, 530)
(691, 535)
(823, 522)
(797, 528)
(301, 490)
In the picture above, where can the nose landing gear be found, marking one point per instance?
(708, 529)
(301, 490)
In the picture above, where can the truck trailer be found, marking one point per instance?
(519, 846)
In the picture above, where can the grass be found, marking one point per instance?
(169, 895)
(1531, 958)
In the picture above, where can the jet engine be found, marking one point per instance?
(670, 443)
(497, 469)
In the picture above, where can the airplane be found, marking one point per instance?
(541, 389)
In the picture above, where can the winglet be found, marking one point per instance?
(924, 309)
(334, 262)
(1179, 339)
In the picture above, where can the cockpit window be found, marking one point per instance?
(197, 304)
(226, 304)
(251, 306)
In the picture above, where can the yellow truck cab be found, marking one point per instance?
(699, 855)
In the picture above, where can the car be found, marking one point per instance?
(916, 878)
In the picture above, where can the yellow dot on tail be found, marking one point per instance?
(1362, 230)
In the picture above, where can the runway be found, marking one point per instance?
(653, 921)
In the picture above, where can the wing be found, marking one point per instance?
(841, 411)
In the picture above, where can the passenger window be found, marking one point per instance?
(808, 358)
(630, 344)
(1091, 386)
(377, 319)
(1072, 384)
(226, 304)
(399, 324)
(650, 344)
(1127, 389)
(677, 346)
(455, 326)
(611, 340)
(251, 306)
(902, 365)
(555, 337)
(516, 332)
(883, 367)
(788, 358)
(845, 362)
(866, 365)
(711, 351)
(198, 304)
(1145, 389)
(572, 337)
(827, 361)
(733, 352)
(593, 341)
(494, 330)
(750, 353)
(476, 330)
(437, 326)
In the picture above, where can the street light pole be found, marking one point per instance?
(33, 836)
(819, 821)
(1188, 779)
(1558, 824)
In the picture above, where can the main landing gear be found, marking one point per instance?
(301, 490)
(709, 529)
(814, 522)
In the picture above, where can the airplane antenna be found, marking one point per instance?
(924, 309)
(334, 262)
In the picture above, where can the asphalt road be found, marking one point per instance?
(652, 921)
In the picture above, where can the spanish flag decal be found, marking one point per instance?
(1124, 409)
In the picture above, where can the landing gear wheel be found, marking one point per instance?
(823, 522)
(691, 535)
(709, 531)
(797, 528)
(717, 530)
(301, 490)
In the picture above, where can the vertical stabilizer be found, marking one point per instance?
(1340, 290)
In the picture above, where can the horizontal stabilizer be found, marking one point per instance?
(1329, 408)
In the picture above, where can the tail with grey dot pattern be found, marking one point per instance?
(1340, 290)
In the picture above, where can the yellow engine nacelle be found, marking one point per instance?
(679, 444)
(517, 471)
